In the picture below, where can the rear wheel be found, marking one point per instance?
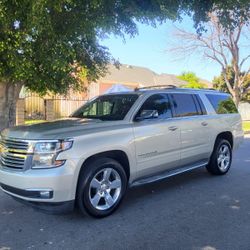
(221, 159)
(101, 187)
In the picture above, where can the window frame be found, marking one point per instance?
(201, 105)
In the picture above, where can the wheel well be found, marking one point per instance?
(227, 136)
(117, 155)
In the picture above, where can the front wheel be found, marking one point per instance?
(101, 187)
(221, 159)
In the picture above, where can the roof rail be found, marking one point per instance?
(157, 87)
(212, 89)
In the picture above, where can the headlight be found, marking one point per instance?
(45, 153)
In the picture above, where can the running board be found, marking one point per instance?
(167, 174)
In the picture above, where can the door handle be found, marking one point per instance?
(172, 128)
(204, 123)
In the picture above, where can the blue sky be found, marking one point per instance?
(151, 49)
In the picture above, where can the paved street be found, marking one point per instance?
(191, 211)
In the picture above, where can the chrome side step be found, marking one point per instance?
(168, 174)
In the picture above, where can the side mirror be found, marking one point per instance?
(147, 114)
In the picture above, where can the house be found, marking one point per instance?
(127, 75)
(131, 77)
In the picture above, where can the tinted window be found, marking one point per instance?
(223, 104)
(110, 107)
(159, 102)
(200, 104)
(184, 105)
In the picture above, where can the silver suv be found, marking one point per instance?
(117, 141)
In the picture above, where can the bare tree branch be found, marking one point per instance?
(243, 61)
(219, 45)
(239, 32)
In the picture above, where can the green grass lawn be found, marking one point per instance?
(30, 122)
(246, 126)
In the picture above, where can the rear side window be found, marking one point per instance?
(184, 105)
(223, 104)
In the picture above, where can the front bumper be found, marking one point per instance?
(54, 185)
(50, 207)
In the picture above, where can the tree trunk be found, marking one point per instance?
(9, 93)
(236, 98)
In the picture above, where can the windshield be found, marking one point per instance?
(110, 107)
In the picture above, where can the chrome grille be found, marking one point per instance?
(13, 153)
(14, 144)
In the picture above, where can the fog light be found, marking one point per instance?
(46, 194)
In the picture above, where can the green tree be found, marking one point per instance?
(192, 80)
(220, 84)
(46, 45)
(219, 81)
(227, 106)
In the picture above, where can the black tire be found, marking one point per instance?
(95, 170)
(215, 166)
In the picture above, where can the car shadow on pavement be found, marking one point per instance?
(173, 183)
(133, 196)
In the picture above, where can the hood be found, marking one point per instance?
(60, 129)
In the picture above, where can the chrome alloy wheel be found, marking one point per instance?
(105, 189)
(224, 157)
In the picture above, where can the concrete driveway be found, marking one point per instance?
(190, 211)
